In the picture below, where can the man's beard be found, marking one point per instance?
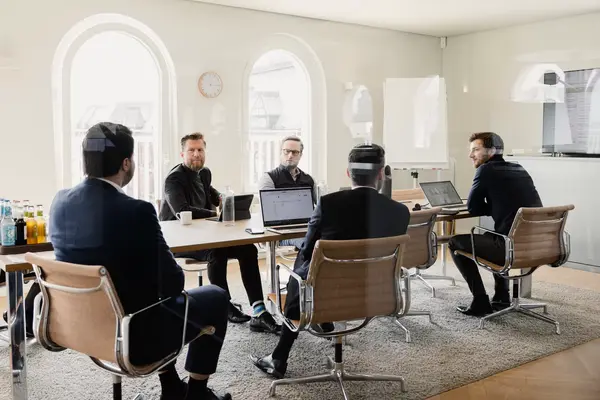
(195, 166)
(289, 167)
(128, 177)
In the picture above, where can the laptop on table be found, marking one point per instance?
(443, 194)
(241, 205)
(286, 210)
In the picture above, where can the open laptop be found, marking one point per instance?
(443, 194)
(286, 210)
(241, 205)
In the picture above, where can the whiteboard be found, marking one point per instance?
(415, 123)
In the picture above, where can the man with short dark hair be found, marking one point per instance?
(96, 223)
(288, 175)
(360, 213)
(499, 189)
(188, 187)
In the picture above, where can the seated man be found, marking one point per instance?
(96, 223)
(499, 189)
(188, 188)
(360, 213)
(288, 175)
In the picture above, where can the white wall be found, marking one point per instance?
(487, 65)
(199, 37)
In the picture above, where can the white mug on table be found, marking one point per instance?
(185, 217)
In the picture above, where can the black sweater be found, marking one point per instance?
(186, 190)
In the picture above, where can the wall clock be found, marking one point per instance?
(210, 84)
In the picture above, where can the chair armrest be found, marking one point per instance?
(508, 249)
(125, 323)
(302, 288)
(405, 276)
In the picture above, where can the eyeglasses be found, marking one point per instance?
(288, 151)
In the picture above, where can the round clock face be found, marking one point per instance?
(210, 84)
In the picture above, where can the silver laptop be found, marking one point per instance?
(286, 210)
(443, 194)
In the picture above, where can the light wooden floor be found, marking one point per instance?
(572, 374)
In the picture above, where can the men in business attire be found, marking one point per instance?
(188, 188)
(96, 223)
(288, 175)
(360, 213)
(499, 189)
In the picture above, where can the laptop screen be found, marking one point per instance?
(286, 206)
(441, 194)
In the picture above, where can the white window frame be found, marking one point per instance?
(61, 89)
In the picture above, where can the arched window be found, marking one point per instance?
(112, 68)
(278, 106)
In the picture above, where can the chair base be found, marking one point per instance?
(525, 309)
(411, 314)
(423, 279)
(339, 375)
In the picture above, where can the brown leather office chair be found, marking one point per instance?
(79, 309)
(349, 280)
(188, 264)
(537, 237)
(420, 253)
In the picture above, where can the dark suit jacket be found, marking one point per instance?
(499, 189)
(361, 213)
(186, 190)
(95, 224)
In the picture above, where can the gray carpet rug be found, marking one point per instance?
(449, 353)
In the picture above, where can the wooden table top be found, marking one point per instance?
(203, 234)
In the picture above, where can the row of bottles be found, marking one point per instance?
(21, 224)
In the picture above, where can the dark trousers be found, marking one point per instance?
(487, 246)
(247, 256)
(292, 311)
(161, 332)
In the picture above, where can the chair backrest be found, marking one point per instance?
(355, 279)
(407, 194)
(81, 310)
(421, 249)
(539, 238)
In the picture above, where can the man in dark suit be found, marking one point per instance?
(360, 213)
(96, 223)
(188, 188)
(499, 189)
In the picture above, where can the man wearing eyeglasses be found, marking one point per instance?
(288, 175)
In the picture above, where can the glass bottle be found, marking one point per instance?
(7, 226)
(32, 226)
(20, 225)
(228, 209)
(41, 224)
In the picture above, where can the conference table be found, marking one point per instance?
(199, 235)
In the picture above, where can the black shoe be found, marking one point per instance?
(478, 308)
(268, 365)
(236, 315)
(176, 393)
(501, 301)
(209, 394)
(264, 323)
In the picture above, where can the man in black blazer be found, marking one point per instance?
(188, 188)
(499, 189)
(360, 213)
(96, 223)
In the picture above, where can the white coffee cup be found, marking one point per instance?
(185, 217)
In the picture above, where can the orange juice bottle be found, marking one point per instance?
(41, 224)
(32, 226)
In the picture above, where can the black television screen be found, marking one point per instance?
(572, 126)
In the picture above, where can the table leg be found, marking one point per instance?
(272, 263)
(16, 331)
